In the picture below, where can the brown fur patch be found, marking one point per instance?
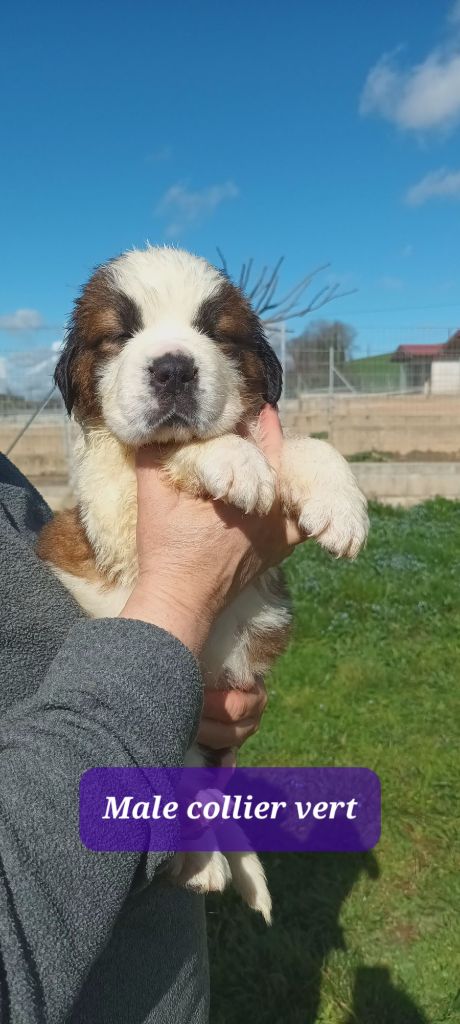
(228, 323)
(103, 319)
(228, 318)
(104, 322)
(103, 313)
(237, 321)
(88, 402)
(64, 543)
(252, 392)
(265, 646)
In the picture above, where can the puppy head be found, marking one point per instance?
(162, 347)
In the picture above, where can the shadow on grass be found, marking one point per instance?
(273, 975)
(374, 994)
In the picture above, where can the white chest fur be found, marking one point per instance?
(106, 490)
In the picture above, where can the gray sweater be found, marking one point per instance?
(85, 937)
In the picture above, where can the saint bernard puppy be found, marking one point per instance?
(163, 349)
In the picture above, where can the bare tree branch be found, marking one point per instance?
(311, 308)
(258, 284)
(263, 294)
(244, 276)
(222, 260)
(267, 294)
(302, 285)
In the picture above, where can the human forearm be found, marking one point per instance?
(194, 555)
(117, 693)
(185, 607)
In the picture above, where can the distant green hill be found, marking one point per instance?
(373, 373)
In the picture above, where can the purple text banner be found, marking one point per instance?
(290, 809)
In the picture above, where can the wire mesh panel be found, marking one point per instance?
(401, 403)
(34, 430)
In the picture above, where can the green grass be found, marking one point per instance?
(373, 373)
(371, 678)
(370, 456)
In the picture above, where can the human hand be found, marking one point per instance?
(194, 554)
(229, 717)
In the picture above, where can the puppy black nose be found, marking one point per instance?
(172, 372)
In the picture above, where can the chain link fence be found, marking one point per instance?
(404, 361)
(400, 402)
(34, 429)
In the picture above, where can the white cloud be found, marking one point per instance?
(160, 155)
(22, 320)
(420, 97)
(184, 207)
(440, 184)
(454, 13)
(391, 284)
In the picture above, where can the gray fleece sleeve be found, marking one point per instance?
(119, 692)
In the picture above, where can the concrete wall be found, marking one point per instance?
(42, 451)
(394, 483)
(408, 483)
(398, 424)
(394, 424)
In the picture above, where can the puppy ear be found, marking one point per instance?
(273, 371)
(63, 375)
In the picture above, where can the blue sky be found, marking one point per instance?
(325, 132)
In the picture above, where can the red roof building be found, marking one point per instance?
(405, 352)
(418, 359)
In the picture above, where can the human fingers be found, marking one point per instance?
(269, 435)
(152, 487)
(231, 716)
(220, 735)
(270, 440)
(236, 705)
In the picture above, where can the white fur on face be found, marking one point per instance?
(163, 280)
(168, 286)
(129, 405)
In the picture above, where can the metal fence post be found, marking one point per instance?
(330, 417)
(331, 369)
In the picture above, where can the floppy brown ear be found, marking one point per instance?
(272, 370)
(63, 374)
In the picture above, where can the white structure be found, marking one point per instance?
(445, 377)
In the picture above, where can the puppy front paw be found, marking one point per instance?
(318, 488)
(228, 469)
(243, 478)
(338, 520)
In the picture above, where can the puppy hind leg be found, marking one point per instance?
(201, 872)
(249, 880)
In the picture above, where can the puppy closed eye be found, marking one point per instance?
(111, 344)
